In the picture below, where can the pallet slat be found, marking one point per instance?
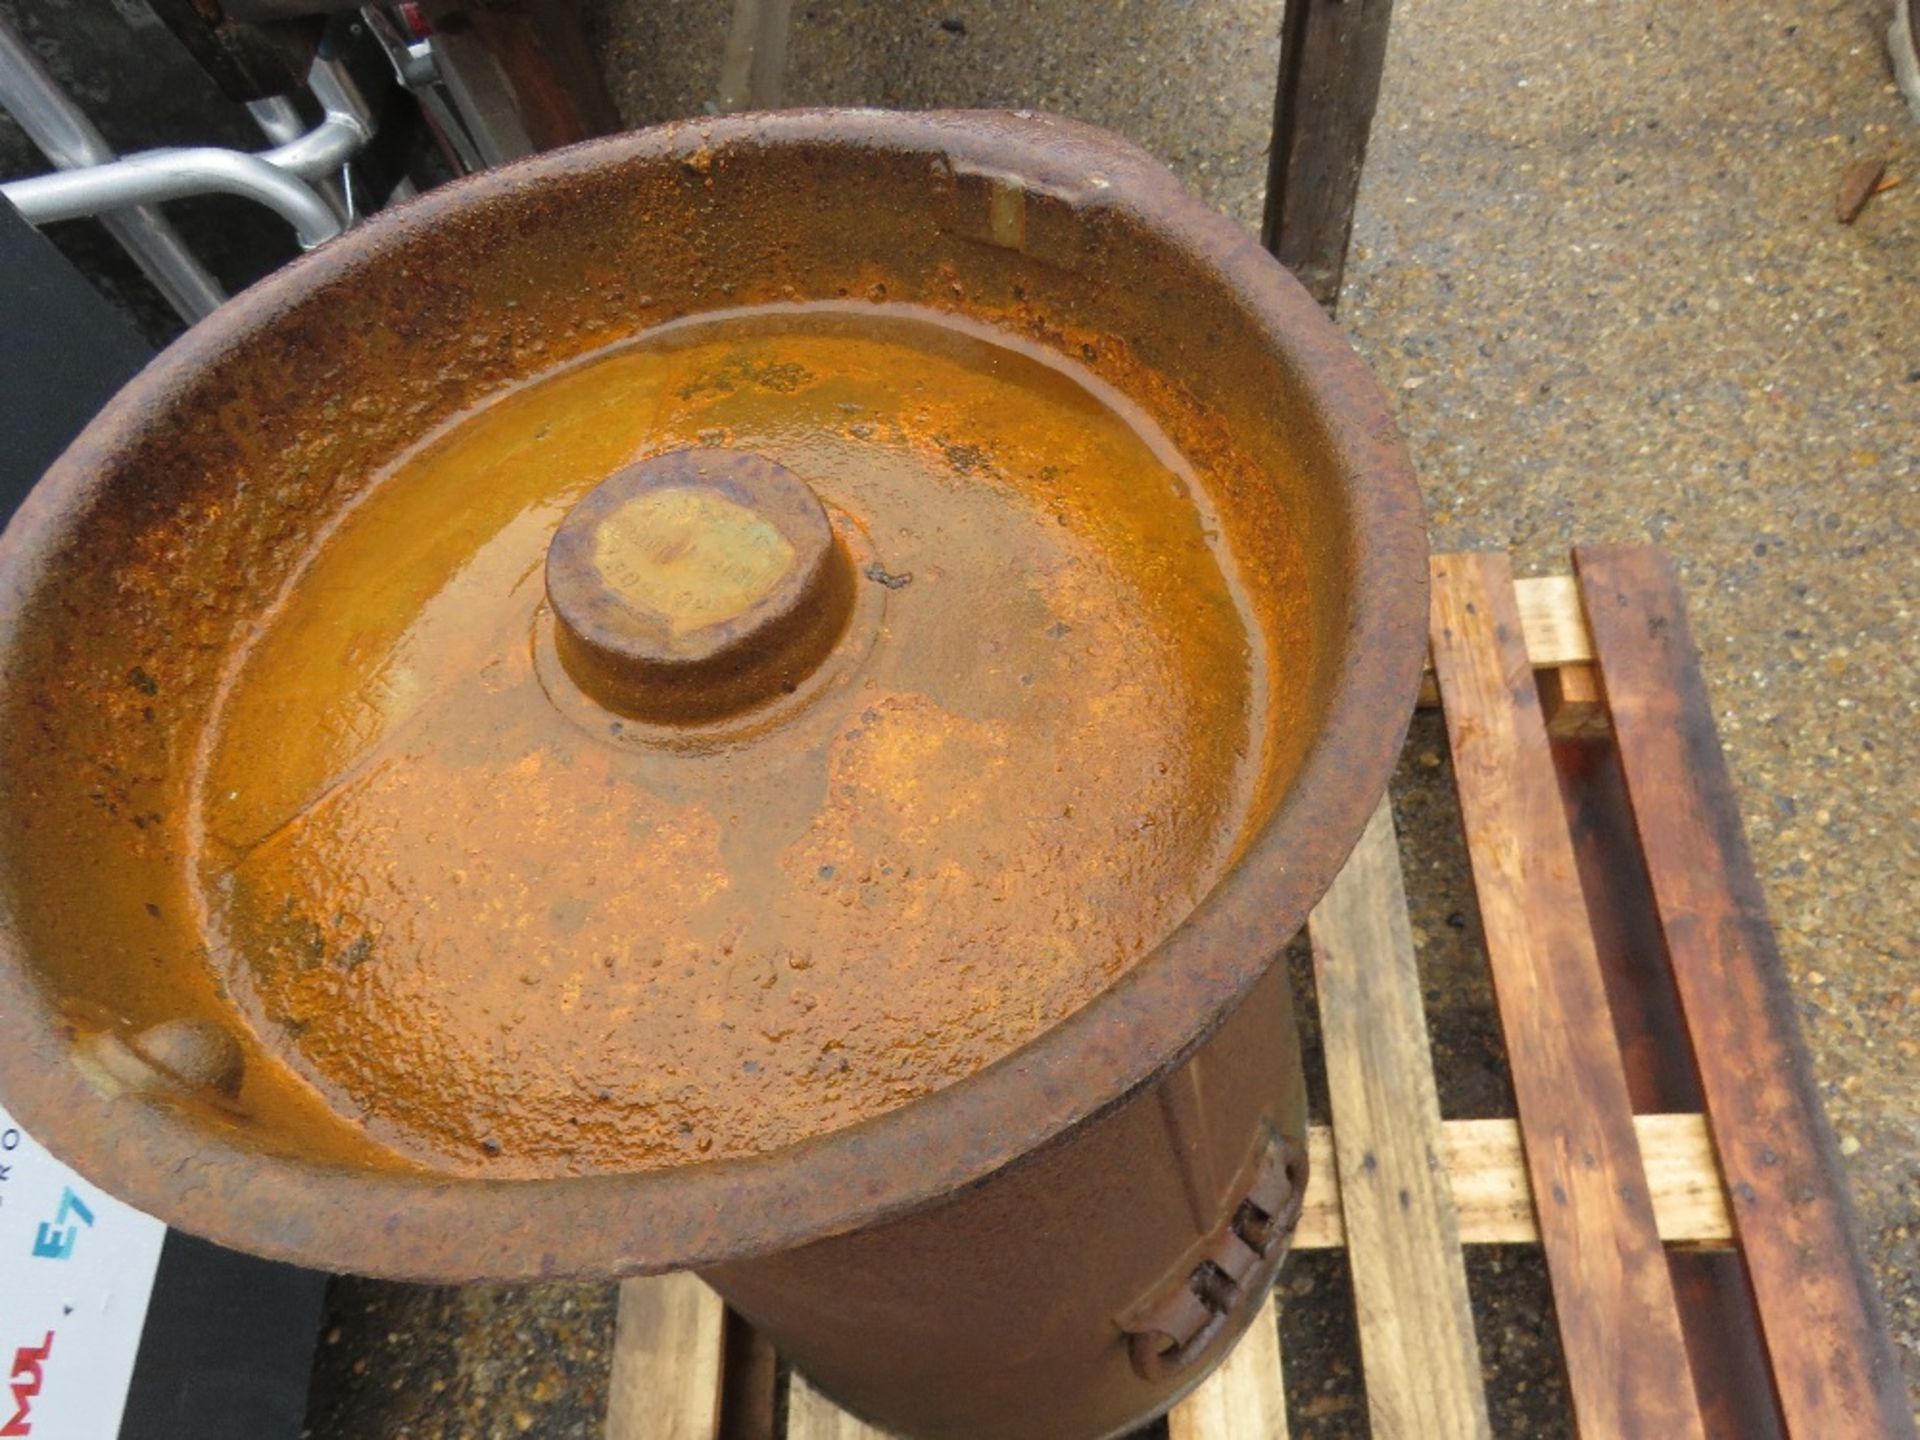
(1553, 622)
(1246, 1398)
(1486, 1170)
(667, 1344)
(1620, 1328)
(811, 1416)
(1833, 1366)
(1486, 1164)
(1554, 629)
(1417, 1343)
(1729, 1362)
(751, 1384)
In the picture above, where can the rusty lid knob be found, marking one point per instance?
(696, 584)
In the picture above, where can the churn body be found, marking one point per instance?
(1058, 1244)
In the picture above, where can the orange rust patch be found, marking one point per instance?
(521, 944)
(692, 558)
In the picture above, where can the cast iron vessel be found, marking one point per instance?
(1057, 1244)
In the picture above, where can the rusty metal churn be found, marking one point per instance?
(762, 696)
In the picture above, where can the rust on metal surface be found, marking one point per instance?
(863, 846)
(697, 584)
(1005, 1309)
(1048, 653)
(1167, 1333)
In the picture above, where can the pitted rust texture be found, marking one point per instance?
(518, 934)
(1226, 1274)
(696, 584)
(134, 568)
(1005, 1309)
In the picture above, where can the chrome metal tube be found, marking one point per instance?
(283, 124)
(278, 117)
(156, 175)
(34, 98)
(91, 181)
(344, 131)
(320, 154)
(64, 134)
(321, 151)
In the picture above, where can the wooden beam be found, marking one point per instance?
(811, 1416)
(753, 72)
(750, 1385)
(1553, 627)
(1417, 1343)
(667, 1343)
(1619, 1325)
(1553, 623)
(1246, 1398)
(1571, 702)
(1331, 56)
(1730, 1369)
(550, 65)
(1493, 1201)
(1833, 1365)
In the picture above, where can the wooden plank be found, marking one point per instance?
(1552, 621)
(1832, 1362)
(1620, 1330)
(549, 64)
(811, 1416)
(1493, 1201)
(1730, 1370)
(750, 1384)
(1554, 628)
(1331, 55)
(665, 1382)
(1488, 1168)
(1246, 1398)
(1571, 701)
(1417, 1343)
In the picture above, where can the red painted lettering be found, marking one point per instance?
(26, 1376)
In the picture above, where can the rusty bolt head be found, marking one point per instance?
(696, 584)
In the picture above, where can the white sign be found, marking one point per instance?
(76, 1272)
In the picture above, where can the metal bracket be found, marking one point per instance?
(1168, 1331)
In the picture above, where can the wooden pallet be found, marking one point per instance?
(1670, 1155)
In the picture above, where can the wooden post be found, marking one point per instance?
(1246, 1398)
(667, 1354)
(1331, 55)
(753, 75)
(811, 1416)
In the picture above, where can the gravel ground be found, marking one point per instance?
(1597, 267)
